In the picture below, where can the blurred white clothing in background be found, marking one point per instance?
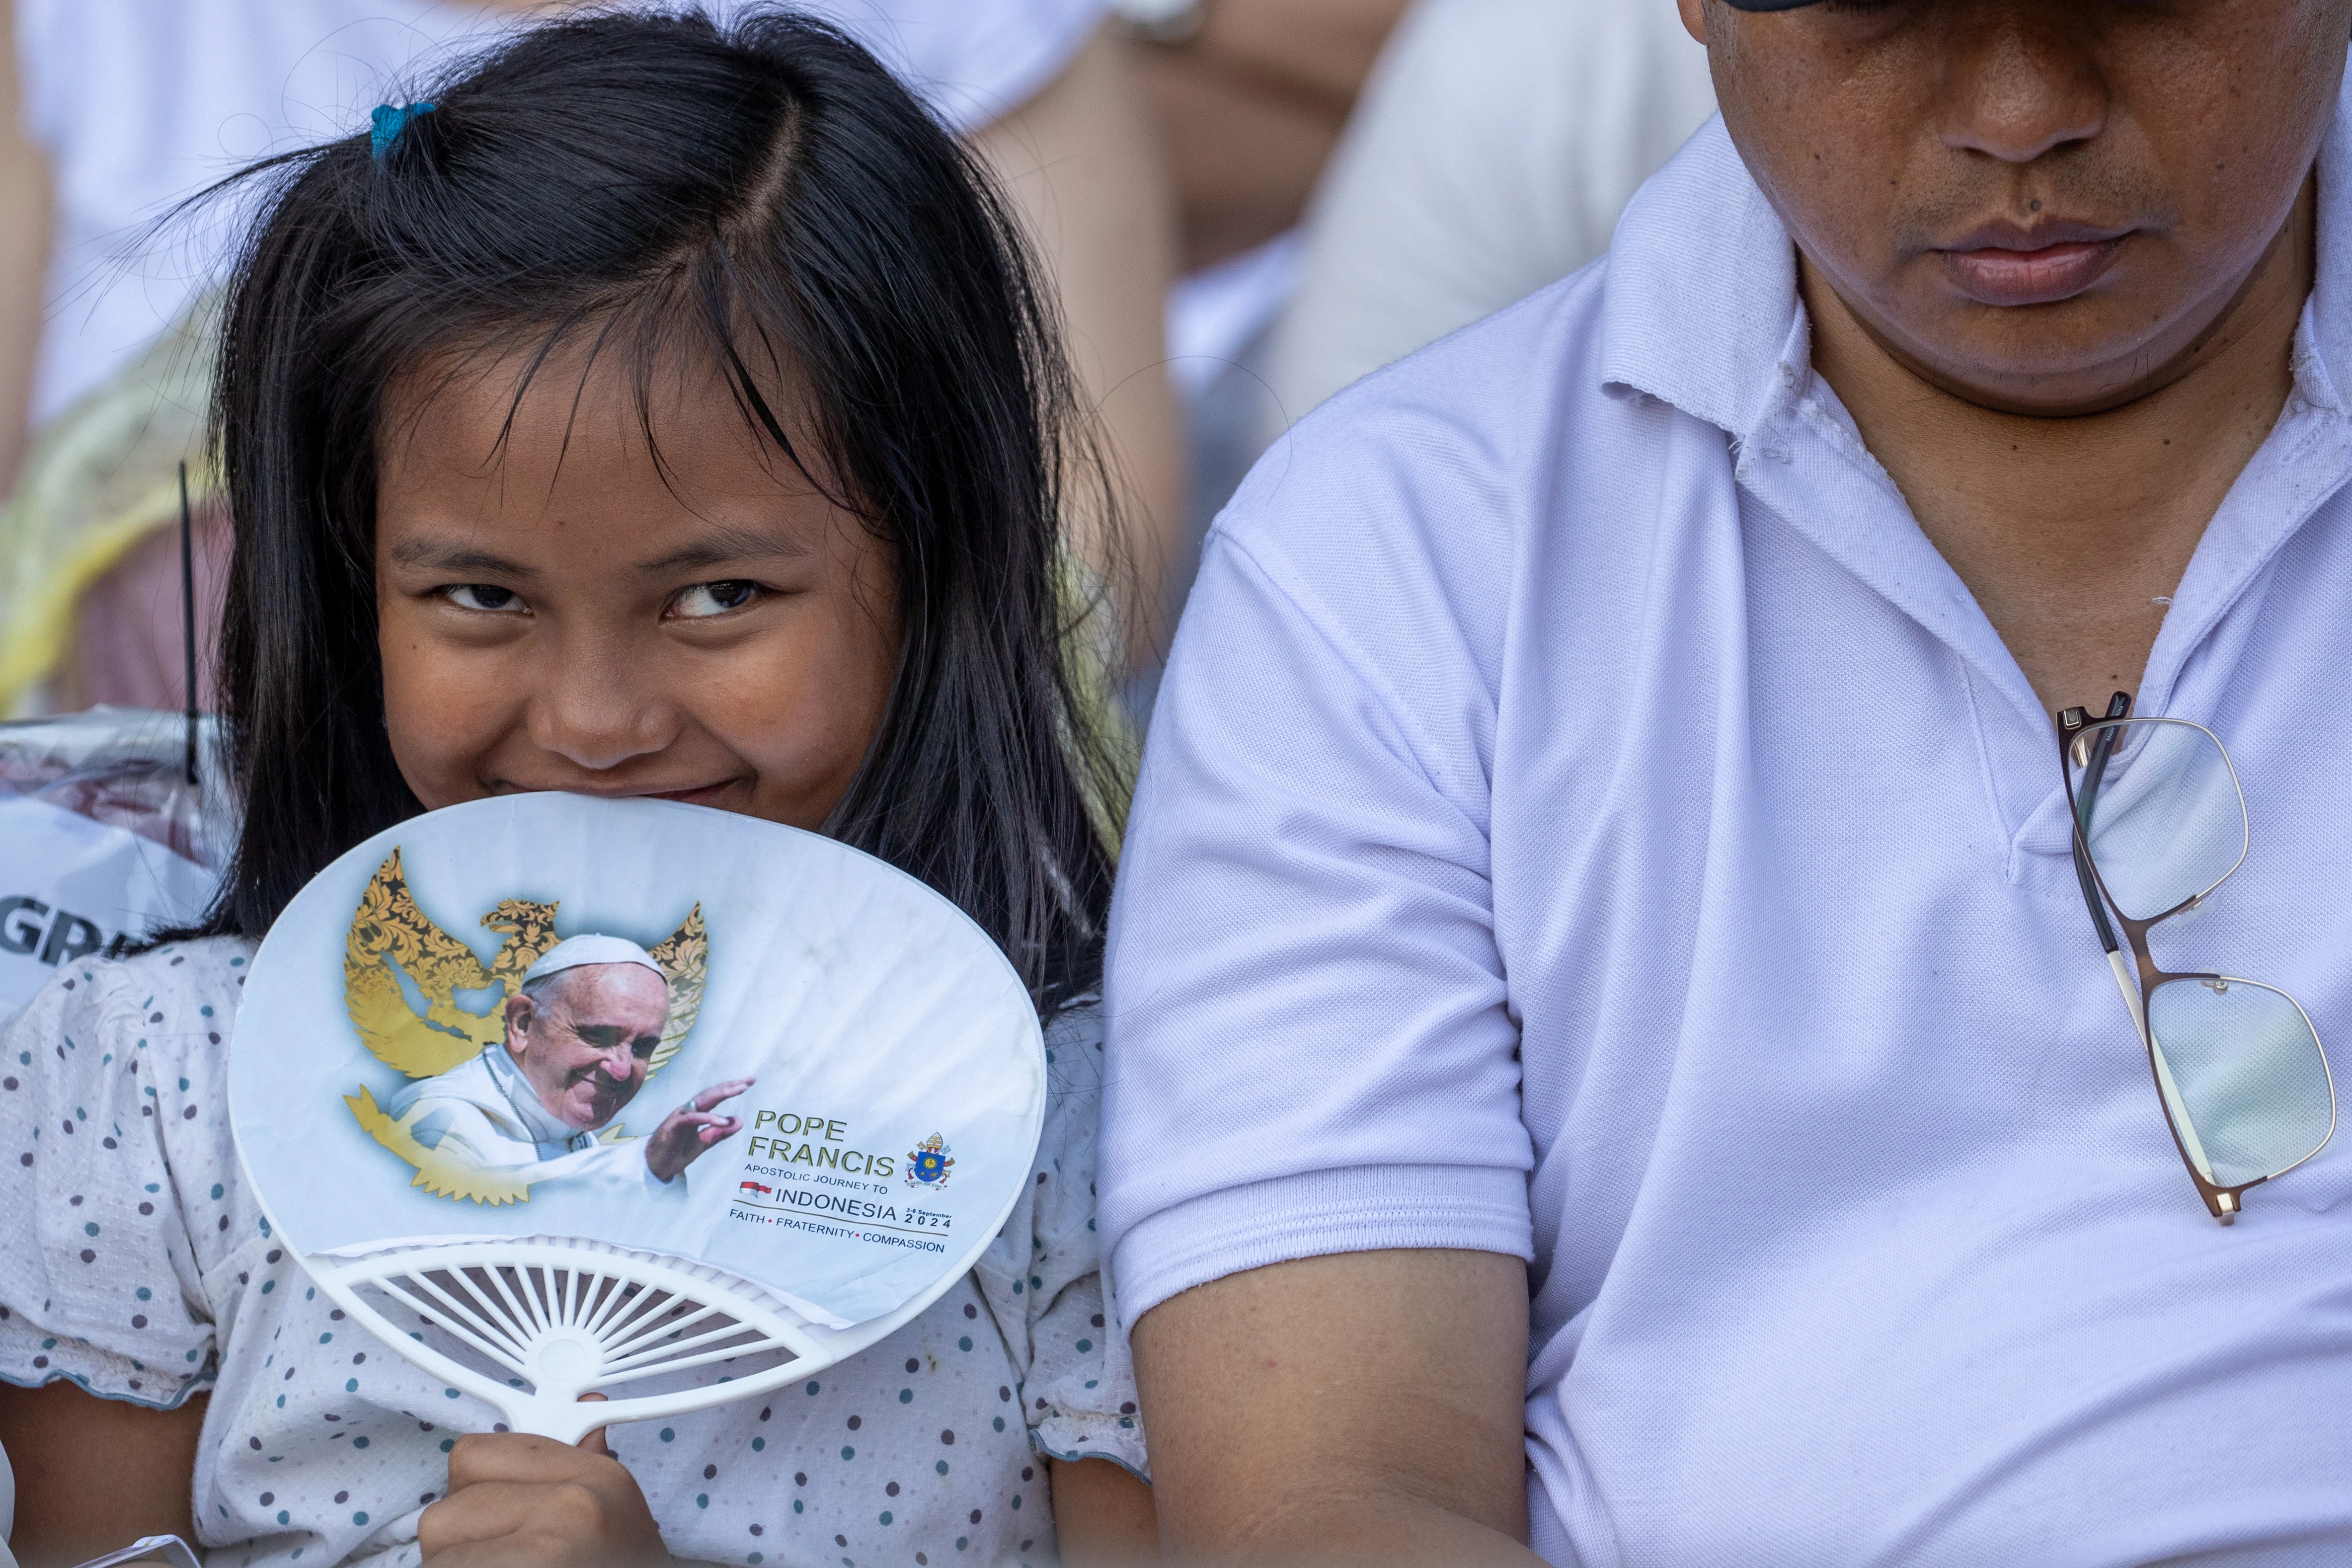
(974, 61)
(139, 104)
(1490, 155)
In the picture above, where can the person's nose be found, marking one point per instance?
(595, 709)
(2022, 80)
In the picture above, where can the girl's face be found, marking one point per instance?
(554, 615)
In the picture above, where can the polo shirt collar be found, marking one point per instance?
(2324, 346)
(1701, 294)
(1701, 290)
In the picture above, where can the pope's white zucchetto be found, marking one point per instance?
(578, 951)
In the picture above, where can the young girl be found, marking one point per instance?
(663, 409)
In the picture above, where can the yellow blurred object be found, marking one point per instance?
(101, 476)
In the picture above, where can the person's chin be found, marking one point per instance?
(588, 1119)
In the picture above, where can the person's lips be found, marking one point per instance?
(692, 793)
(698, 795)
(2002, 264)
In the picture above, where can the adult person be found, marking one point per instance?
(1608, 1058)
(581, 1033)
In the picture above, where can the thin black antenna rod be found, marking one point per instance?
(188, 615)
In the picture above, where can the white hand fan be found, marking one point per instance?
(487, 1084)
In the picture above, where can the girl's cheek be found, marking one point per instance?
(798, 745)
(438, 707)
(803, 714)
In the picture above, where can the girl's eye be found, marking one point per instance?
(481, 596)
(706, 599)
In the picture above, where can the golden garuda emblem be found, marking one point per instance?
(392, 940)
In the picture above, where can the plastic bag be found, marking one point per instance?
(102, 837)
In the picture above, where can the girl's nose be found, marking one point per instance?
(591, 714)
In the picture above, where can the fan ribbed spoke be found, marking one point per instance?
(730, 1330)
(617, 1292)
(547, 1294)
(485, 1300)
(658, 1332)
(640, 1302)
(628, 1325)
(441, 1320)
(535, 1286)
(487, 1329)
(521, 1316)
(452, 1292)
(705, 1359)
(662, 1321)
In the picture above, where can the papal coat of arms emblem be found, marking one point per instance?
(927, 1163)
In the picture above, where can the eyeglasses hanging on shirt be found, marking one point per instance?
(2160, 822)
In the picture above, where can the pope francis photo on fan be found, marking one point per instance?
(581, 1032)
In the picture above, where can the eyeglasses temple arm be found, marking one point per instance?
(2098, 906)
(2094, 771)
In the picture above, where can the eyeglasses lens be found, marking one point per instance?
(2160, 810)
(2249, 1088)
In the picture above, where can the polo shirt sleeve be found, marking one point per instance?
(1310, 1043)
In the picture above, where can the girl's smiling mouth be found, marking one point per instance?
(692, 794)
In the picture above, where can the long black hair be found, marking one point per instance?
(759, 191)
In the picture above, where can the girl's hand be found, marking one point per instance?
(516, 1500)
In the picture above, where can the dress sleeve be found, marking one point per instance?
(1043, 1279)
(114, 1152)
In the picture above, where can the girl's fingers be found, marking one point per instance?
(511, 1552)
(485, 1458)
(501, 1511)
(594, 1442)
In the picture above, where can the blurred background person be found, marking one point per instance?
(1491, 155)
(112, 111)
(1253, 94)
(1250, 97)
(1359, 177)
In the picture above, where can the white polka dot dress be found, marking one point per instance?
(139, 1270)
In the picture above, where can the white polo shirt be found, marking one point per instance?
(1585, 818)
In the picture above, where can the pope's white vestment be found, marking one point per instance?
(485, 1114)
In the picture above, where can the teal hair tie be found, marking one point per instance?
(388, 121)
